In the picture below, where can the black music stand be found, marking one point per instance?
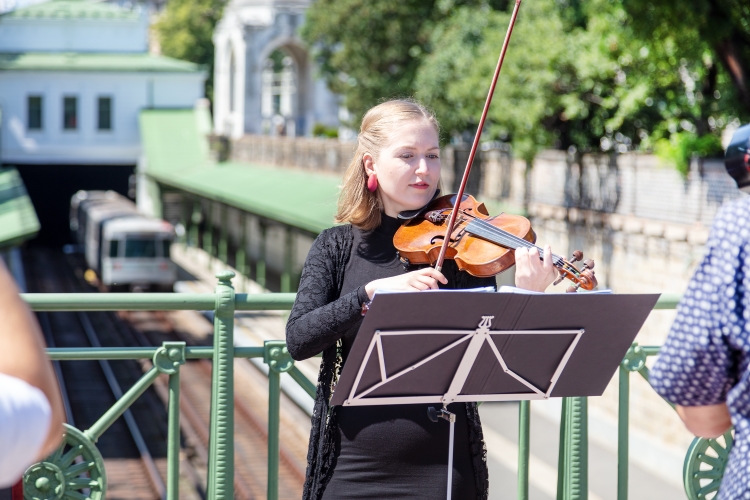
(452, 346)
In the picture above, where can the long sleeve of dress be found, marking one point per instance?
(320, 317)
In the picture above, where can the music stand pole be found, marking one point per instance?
(433, 414)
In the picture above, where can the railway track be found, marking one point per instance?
(128, 464)
(134, 447)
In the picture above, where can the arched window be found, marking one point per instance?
(279, 93)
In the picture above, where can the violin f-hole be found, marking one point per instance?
(441, 238)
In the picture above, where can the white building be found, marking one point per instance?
(74, 74)
(264, 78)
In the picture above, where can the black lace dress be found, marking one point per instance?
(381, 451)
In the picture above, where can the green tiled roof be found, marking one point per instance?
(176, 153)
(73, 9)
(18, 221)
(100, 62)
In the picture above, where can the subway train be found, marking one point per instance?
(126, 250)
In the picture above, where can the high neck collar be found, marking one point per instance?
(388, 224)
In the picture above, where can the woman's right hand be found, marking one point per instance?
(415, 281)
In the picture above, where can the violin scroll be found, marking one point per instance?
(583, 278)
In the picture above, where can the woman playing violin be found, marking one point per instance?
(384, 451)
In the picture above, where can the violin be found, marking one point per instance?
(480, 244)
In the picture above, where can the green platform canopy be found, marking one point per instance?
(176, 155)
(18, 220)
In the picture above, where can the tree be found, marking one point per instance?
(185, 30)
(455, 76)
(369, 50)
(589, 83)
(719, 27)
(595, 75)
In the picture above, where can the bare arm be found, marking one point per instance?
(709, 421)
(22, 354)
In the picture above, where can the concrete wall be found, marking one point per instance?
(324, 155)
(178, 208)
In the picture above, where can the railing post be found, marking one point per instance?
(260, 266)
(184, 220)
(635, 359)
(208, 234)
(572, 482)
(168, 360)
(623, 421)
(278, 359)
(286, 275)
(223, 247)
(195, 220)
(524, 448)
(240, 256)
(561, 450)
(221, 440)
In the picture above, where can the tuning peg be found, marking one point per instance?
(558, 280)
(589, 264)
(577, 255)
(572, 289)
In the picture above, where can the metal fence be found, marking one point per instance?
(703, 467)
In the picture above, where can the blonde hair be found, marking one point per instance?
(357, 205)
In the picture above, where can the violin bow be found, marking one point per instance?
(475, 144)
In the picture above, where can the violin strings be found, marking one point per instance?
(483, 228)
(502, 237)
(508, 236)
(505, 238)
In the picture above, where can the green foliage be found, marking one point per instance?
(595, 75)
(369, 51)
(185, 31)
(363, 47)
(719, 29)
(321, 130)
(681, 147)
(454, 79)
(590, 83)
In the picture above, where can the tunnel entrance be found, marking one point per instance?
(50, 188)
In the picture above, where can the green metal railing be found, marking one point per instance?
(77, 465)
(66, 474)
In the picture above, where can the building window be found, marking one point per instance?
(70, 113)
(35, 112)
(279, 94)
(104, 107)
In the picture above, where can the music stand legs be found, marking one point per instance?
(434, 415)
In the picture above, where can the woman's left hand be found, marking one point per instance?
(532, 273)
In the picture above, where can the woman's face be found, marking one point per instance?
(408, 167)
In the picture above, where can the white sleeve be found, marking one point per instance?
(25, 416)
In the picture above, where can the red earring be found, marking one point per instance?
(372, 183)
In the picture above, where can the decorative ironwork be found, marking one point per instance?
(704, 465)
(75, 471)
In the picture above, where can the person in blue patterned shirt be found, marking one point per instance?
(703, 367)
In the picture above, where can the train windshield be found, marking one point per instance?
(140, 247)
